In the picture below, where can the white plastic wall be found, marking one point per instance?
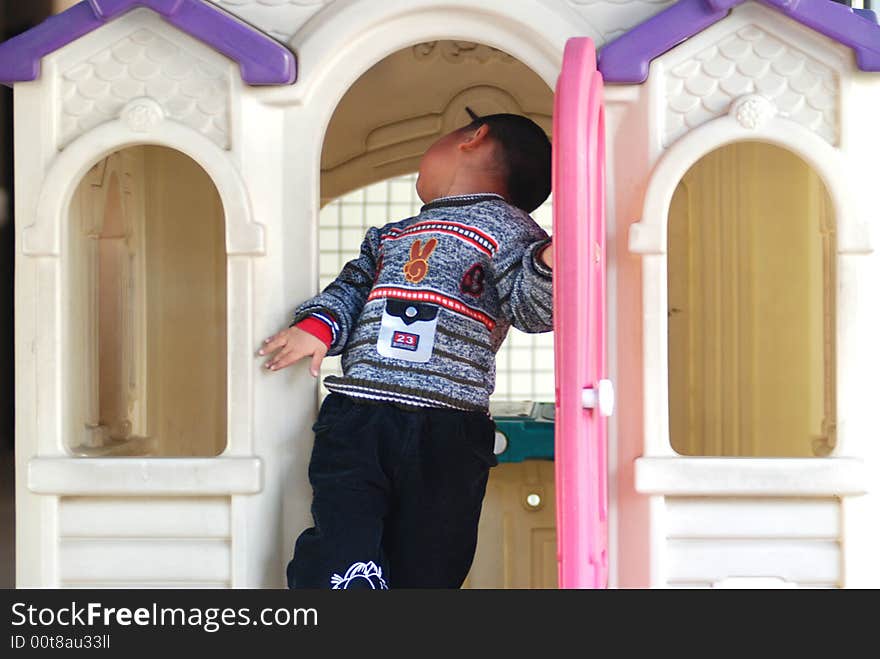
(754, 76)
(80, 111)
(246, 506)
(262, 149)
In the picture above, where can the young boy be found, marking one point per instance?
(404, 441)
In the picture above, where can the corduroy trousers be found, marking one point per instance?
(397, 495)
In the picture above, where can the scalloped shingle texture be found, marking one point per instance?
(191, 91)
(752, 61)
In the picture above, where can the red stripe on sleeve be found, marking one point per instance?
(317, 328)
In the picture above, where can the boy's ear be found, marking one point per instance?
(475, 139)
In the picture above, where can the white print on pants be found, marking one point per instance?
(369, 572)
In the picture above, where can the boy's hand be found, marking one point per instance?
(291, 345)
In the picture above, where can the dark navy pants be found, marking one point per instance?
(397, 496)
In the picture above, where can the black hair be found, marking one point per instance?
(525, 156)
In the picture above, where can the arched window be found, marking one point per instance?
(147, 260)
(751, 306)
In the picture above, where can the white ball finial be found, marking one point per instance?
(142, 114)
(753, 111)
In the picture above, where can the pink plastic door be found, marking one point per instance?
(584, 397)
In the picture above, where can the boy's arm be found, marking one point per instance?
(332, 313)
(525, 282)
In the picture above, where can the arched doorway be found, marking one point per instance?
(374, 141)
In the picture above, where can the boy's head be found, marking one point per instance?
(504, 153)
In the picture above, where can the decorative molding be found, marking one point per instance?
(459, 51)
(244, 236)
(777, 477)
(145, 67)
(142, 114)
(755, 64)
(648, 236)
(145, 476)
(752, 111)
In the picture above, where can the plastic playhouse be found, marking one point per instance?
(715, 272)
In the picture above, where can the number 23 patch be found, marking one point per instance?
(405, 341)
(407, 330)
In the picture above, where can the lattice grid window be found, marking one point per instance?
(525, 361)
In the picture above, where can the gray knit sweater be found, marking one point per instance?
(420, 314)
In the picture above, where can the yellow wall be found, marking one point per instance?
(751, 307)
(186, 271)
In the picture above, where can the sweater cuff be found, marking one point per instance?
(317, 328)
(539, 266)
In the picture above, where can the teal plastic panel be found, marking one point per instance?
(528, 430)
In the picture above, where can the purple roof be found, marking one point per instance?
(263, 61)
(628, 58)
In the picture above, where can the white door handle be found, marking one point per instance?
(601, 398)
